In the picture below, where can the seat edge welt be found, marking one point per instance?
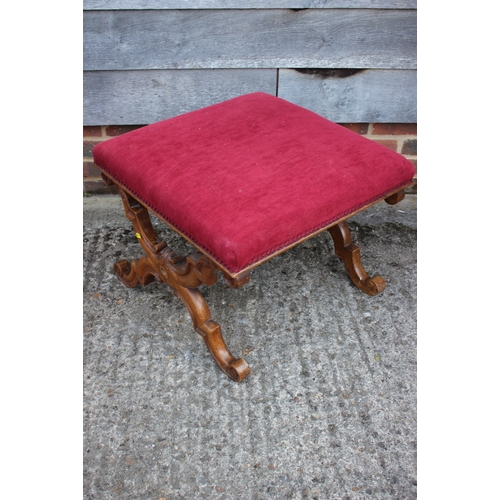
(318, 231)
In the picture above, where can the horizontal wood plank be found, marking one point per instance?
(370, 96)
(258, 38)
(143, 97)
(247, 4)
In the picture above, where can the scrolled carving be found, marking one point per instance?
(193, 270)
(138, 271)
(351, 257)
(184, 275)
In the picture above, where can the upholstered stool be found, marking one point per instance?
(243, 181)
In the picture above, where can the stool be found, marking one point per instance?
(243, 181)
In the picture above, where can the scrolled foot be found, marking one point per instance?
(210, 331)
(235, 369)
(373, 286)
(238, 370)
(350, 255)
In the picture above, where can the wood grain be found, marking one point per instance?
(370, 96)
(247, 4)
(143, 97)
(256, 38)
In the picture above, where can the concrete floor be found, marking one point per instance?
(329, 410)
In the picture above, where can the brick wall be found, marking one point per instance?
(400, 137)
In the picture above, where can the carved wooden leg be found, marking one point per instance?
(235, 369)
(184, 275)
(350, 255)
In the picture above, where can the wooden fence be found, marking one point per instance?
(348, 60)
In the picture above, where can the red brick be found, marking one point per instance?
(89, 170)
(360, 128)
(114, 130)
(409, 147)
(388, 143)
(413, 189)
(88, 146)
(394, 129)
(92, 131)
(98, 187)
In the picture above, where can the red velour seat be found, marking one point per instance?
(248, 177)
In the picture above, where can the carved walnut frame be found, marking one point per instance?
(185, 274)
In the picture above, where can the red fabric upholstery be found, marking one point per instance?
(244, 178)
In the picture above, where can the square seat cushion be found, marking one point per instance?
(248, 177)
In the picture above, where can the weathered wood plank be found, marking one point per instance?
(258, 38)
(370, 96)
(142, 97)
(247, 4)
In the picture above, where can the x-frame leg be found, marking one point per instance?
(184, 275)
